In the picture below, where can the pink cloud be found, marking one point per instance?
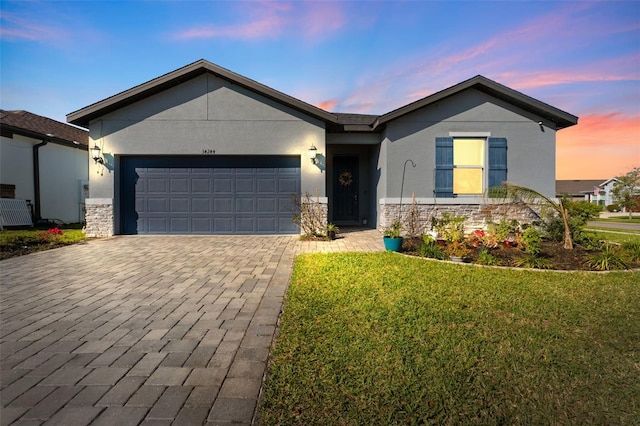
(600, 146)
(269, 19)
(327, 105)
(14, 28)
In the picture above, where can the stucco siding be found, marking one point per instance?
(530, 154)
(63, 171)
(16, 165)
(206, 113)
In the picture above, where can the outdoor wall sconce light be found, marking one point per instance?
(313, 152)
(95, 154)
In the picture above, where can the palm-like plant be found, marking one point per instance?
(516, 193)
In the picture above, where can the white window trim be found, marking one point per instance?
(470, 134)
(485, 166)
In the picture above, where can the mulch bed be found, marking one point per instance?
(558, 257)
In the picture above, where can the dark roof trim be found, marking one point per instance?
(561, 118)
(43, 137)
(83, 117)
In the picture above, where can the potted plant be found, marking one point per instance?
(332, 231)
(392, 239)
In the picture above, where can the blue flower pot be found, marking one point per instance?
(392, 244)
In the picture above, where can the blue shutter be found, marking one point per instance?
(444, 167)
(497, 161)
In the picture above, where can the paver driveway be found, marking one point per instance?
(145, 330)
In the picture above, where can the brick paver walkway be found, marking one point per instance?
(145, 329)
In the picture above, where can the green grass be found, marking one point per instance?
(387, 339)
(613, 237)
(19, 242)
(620, 219)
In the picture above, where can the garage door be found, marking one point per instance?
(208, 195)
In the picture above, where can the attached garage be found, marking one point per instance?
(208, 194)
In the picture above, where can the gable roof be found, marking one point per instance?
(36, 126)
(561, 118)
(335, 121)
(83, 116)
(577, 187)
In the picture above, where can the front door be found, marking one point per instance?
(345, 188)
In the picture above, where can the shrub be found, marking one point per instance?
(530, 240)
(477, 238)
(505, 229)
(553, 228)
(430, 249)
(309, 215)
(609, 258)
(535, 262)
(449, 226)
(613, 208)
(394, 230)
(486, 258)
(582, 210)
(632, 249)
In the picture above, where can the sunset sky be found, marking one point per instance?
(349, 56)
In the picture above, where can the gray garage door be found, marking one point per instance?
(208, 195)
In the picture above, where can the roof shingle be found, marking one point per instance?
(43, 126)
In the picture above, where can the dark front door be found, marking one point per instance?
(345, 188)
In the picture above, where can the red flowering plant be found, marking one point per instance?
(477, 238)
(50, 236)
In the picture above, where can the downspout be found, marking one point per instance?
(36, 178)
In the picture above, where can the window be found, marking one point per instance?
(468, 166)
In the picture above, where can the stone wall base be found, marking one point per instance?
(416, 218)
(314, 214)
(99, 217)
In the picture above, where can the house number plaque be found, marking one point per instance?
(208, 151)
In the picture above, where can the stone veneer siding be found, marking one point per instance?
(478, 215)
(99, 217)
(316, 211)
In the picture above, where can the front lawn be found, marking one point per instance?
(20, 242)
(382, 338)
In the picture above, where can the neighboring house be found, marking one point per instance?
(597, 191)
(204, 150)
(44, 161)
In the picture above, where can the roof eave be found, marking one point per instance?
(561, 118)
(44, 137)
(84, 116)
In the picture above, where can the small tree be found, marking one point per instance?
(515, 193)
(626, 190)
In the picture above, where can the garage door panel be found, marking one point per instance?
(156, 186)
(204, 195)
(179, 185)
(288, 185)
(223, 225)
(245, 225)
(156, 205)
(179, 205)
(266, 205)
(200, 185)
(179, 225)
(201, 205)
(267, 225)
(157, 225)
(201, 225)
(245, 205)
(223, 205)
(244, 186)
(267, 185)
(223, 185)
